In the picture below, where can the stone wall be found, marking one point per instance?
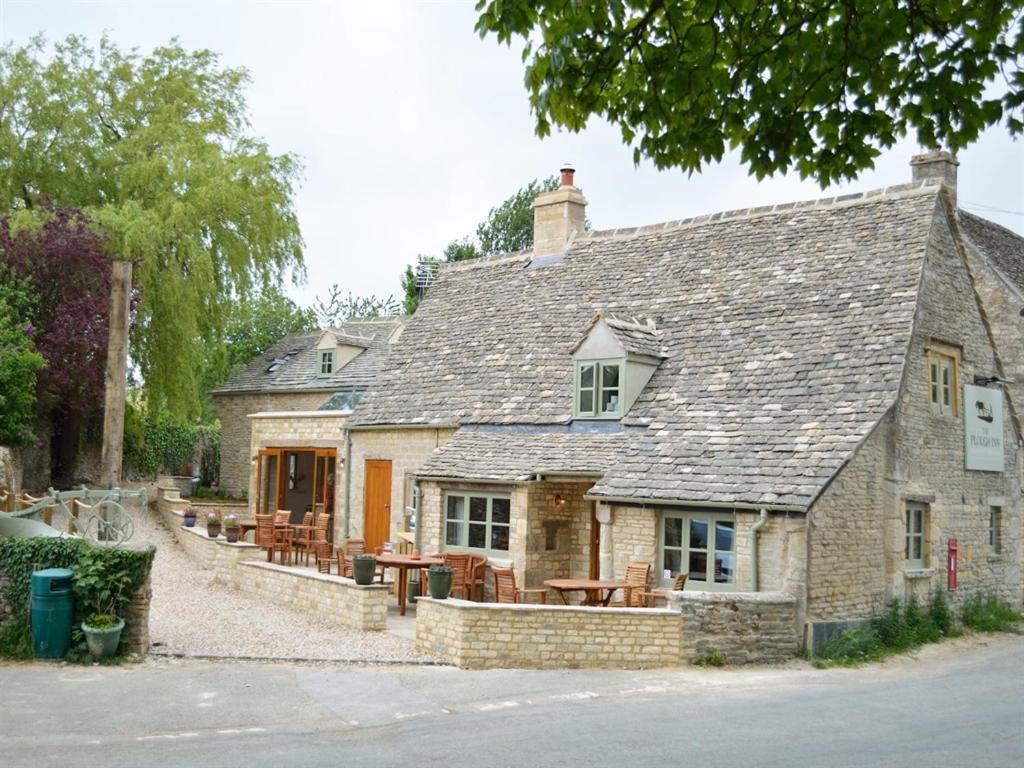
(217, 555)
(334, 598)
(135, 636)
(485, 636)
(236, 429)
(856, 534)
(406, 449)
(746, 627)
(557, 537)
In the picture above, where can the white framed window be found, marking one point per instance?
(701, 543)
(995, 530)
(942, 381)
(599, 385)
(327, 361)
(480, 522)
(914, 551)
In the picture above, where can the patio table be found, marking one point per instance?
(402, 563)
(591, 587)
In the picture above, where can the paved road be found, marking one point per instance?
(960, 703)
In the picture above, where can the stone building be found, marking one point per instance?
(282, 416)
(799, 399)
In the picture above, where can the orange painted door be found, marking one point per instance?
(376, 503)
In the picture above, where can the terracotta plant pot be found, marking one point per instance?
(213, 530)
(231, 534)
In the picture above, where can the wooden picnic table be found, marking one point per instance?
(591, 587)
(403, 563)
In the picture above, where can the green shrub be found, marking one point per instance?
(941, 614)
(713, 658)
(105, 580)
(152, 445)
(987, 613)
(854, 646)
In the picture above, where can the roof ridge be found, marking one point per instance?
(851, 198)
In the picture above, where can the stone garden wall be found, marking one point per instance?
(746, 627)
(489, 635)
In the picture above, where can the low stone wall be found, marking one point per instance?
(747, 627)
(492, 635)
(135, 637)
(333, 597)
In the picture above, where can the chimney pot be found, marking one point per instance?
(567, 172)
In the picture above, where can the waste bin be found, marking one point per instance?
(53, 609)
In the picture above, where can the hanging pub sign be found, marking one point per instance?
(983, 426)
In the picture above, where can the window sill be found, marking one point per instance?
(918, 573)
(998, 558)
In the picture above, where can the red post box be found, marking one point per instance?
(951, 566)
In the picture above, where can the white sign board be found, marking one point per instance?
(983, 427)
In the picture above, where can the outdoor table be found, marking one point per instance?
(403, 563)
(592, 588)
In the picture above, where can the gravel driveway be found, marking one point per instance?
(191, 615)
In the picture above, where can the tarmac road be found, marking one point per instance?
(960, 703)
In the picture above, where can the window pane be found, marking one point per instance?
(698, 534)
(586, 377)
(499, 537)
(609, 376)
(478, 509)
(672, 561)
(456, 508)
(935, 382)
(586, 401)
(500, 510)
(916, 548)
(698, 566)
(673, 532)
(453, 532)
(477, 536)
(609, 400)
(723, 569)
(723, 536)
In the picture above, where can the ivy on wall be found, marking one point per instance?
(103, 576)
(162, 445)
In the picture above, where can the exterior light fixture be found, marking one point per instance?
(559, 501)
(982, 380)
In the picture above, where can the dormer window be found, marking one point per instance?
(326, 362)
(598, 389)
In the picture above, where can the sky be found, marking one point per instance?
(411, 128)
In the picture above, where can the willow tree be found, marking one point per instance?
(157, 149)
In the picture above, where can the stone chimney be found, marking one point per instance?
(937, 164)
(558, 215)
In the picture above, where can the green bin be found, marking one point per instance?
(53, 609)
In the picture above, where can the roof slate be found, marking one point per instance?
(784, 332)
(636, 337)
(301, 369)
(1003, 249)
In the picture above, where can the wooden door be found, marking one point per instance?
(595, 543)
(376, 503)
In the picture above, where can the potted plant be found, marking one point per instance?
(231, 528)
(213, 523)
(100, 587)
(190, 516)
(439, 581)
(363, 568)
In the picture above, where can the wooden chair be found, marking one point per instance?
(273, 538)
(475, 577)
(459, 563)
(304, 536)
(355, 547)
(637, 575)
(506, 591)
(324, 559)
(650, 599)
(321, 528)
(283, 516)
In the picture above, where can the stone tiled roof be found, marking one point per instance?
(636, 336)
(506, 456)
(297, 366)
(784, 331)
(1001, 247)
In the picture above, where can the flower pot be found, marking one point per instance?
(363, 568)
(231, 534)
(190, 521)
(213, 530)
(103, 642)
(439, 581)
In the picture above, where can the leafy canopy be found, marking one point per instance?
(819, 86)
(19, 362)
(156, 149)
(507, 228)
(337, 306)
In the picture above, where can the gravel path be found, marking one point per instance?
(191, 615)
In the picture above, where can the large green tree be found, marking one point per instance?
(507, 228)
(157, 150)
(19, 362)
(817, 85)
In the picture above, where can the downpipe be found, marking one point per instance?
(762, 520)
